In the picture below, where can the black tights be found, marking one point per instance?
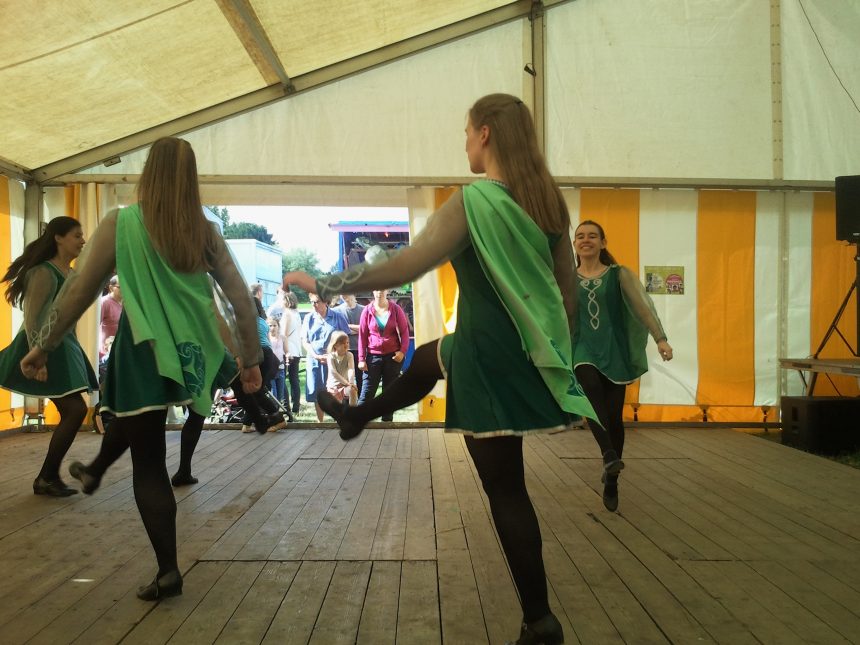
(607, 399)
(408, 388)
(499, 461)
(144, 435)
(191, 431)
(72, 411)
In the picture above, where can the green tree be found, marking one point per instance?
(221, 213)
(301, 260)
(248, 231)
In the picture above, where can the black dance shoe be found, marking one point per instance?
(546, 631)
(336, 410)
(56, 488)
(182, 479)
(89, 482)
(166, 586)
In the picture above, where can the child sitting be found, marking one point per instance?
(341, 370)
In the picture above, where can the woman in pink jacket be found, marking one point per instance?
(383, 339)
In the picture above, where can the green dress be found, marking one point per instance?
(609, 336)
(167, 349)
(508, 364)
(69, 371)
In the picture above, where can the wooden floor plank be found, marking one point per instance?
(206, 622)
(327, 539)
(418, 613)
(358, 540)
(299, 537)
(459, 602)
(390, 532)
(618, 583)
(294, 622)
(378, 625)
(252, 618)
(167, 616)
(420, 538)
(340, 614)
(743, 597)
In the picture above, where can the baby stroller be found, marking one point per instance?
(225, 408)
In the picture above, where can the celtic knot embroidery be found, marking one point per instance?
(39, 337)
(593, 306)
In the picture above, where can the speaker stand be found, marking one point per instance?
(833, 328)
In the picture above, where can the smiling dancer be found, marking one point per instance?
(615, 317)
(34, 280)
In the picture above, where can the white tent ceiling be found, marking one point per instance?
(736, 93)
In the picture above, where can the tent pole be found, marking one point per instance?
(537, 18)
(32, 211)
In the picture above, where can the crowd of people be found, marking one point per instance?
(568, 324)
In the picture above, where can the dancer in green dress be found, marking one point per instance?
(616, 316)
(508, 365)
(168, 349)
(34, 280)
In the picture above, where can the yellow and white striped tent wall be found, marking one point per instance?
(86, 203)
(11, 246)
(764, 277)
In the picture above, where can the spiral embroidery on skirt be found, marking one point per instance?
(191, 359)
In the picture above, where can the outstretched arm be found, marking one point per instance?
(445, 235)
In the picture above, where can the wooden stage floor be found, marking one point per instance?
(297, 537)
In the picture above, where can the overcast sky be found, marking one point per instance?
(307, 226)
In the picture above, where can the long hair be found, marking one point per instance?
(605, 256)
(40, 250)
(169, 197)
(514, 145)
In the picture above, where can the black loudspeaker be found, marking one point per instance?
(827, 425)
(848, 208)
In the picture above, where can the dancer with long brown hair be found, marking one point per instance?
(168, 349)
(507, 237)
